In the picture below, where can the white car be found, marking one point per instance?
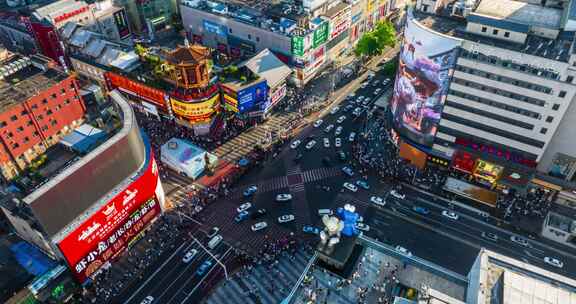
(554, 262)
(350, 187)
(337, 142)
(286, 218)
(397, 194)
(352, 136)
(326, 143)
(450, 214)
(329, 128)
(403, 251)
(189, 255)
(295, 144)
(244, 207)
(362, 226)
(359, 99)
(147, 300)
(318, 123)
(334, 110)
(338, 131)
(378, 201)
(375, 82)
(519, 240)
(341, 119)
(259, 226)
(283, 197)
(364, 85)
(377, 91)
(310, 144)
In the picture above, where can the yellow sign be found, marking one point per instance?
(383, 2)
(196, 111)
(487, 171)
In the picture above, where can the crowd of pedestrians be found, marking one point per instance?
(133, 264)
(378, 152)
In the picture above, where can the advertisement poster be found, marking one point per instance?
(425, 66)
(135, 89)
(250, 96)
(340, 23)
(122, 23)
(320, 34)
(196, 111)
(298, 46)
(107, 232)
(215, 28)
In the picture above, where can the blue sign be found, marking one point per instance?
(251, 96)
(215, 28)
(356, 17)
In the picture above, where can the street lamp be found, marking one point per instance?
(210, 253)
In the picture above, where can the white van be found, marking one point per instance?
(322, 212)
(215, 241)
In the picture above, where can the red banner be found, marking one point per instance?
(135, 88)
(106, 233)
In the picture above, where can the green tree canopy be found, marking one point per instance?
(373, 43)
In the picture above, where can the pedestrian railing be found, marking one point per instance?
(288, 298)
(419, 262)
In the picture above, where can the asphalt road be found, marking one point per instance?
(176, 281)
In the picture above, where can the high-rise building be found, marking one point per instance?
(39, 104)
(489, 89)
(93, 200)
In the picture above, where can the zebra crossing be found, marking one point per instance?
(295, 188)
(319, 173)
(271, 285)
(244, 143)
(293, 170)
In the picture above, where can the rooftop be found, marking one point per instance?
(507, 280)
(520, 12)
(26, 82)
(267, 65)
(553, 49)
(278, 18)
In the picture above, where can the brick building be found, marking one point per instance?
(38, 105)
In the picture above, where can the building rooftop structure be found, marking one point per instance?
(281, 18)
(523, 20)
(25, 78)
(496, 278)
(520, 13)
(267, 65)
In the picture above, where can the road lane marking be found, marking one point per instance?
(201, 280)
(157, 270)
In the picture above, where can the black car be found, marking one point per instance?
(326, 161)
(342, 155)
(298, 157)
(258, 214)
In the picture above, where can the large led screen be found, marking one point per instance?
(424, 70)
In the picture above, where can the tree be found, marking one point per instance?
(373, 43)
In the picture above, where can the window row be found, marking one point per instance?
(495, 104)
(490, 115)
(512, 81)
(509, 64)
(493, 90)
(496, 131)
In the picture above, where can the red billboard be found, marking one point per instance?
(107, 232)
(135, 88)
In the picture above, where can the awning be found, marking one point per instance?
(545, 184)
(515, 178)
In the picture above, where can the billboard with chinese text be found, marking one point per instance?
(198, 111)
(425, 66)
(320, 34)
(253, 95)
(135, 88)
(108, 231)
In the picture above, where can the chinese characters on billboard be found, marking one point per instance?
(122, 23)
(106, 233)
(320, 34)
(424, 70)
(135, 88)
(197, 111)
(251, 96)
